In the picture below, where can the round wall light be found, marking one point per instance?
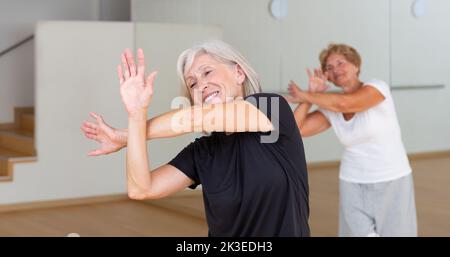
(418, 8)
(278, 9)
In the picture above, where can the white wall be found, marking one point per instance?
(294, 42)
(75, 77)
(17, 21)
(17, 81)
(421, 56)
(281, 50)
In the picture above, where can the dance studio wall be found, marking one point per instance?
(17, 22)
(17, 18)
(395, 46)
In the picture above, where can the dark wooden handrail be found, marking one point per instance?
(9, 49)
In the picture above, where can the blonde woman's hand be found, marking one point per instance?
(317, 82)
(135, 90)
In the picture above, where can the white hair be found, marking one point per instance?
(224, 53)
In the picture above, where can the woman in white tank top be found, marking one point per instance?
(376, 186)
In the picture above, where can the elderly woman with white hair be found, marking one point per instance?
(251, 165)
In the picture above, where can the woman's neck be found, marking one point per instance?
(353, 86)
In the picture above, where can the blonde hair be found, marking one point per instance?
(349, 53)
(224, 53)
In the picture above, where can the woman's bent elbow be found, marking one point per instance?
(142, 195)
(134, 195)
(303, 134)
(266, 127)
(342, 106)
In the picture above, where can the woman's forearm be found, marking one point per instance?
(301, 112)
(330, 101)
(159, 127)
(172, 124)
(138, 172)
(237, 116)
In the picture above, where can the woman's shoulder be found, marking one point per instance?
(266, 98)
(263, 95)
(379, 84)
(376, 81)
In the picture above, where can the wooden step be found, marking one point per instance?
(4, 170)
(5, 156)
(6, 153)
(8, 158)
(19, 141)
(26, 122)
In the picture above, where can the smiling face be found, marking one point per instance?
(340, 71)
(210, 81)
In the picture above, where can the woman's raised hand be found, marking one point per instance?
(317, 82)
(135, 90)
(110, 139)
(295, 93)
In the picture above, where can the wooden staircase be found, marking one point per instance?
(17, 142)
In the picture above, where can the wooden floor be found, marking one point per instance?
(184, 216)
(120, 218)
(432, 191)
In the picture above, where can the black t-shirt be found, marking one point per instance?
(252, 188)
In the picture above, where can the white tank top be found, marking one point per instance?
(374, 150)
